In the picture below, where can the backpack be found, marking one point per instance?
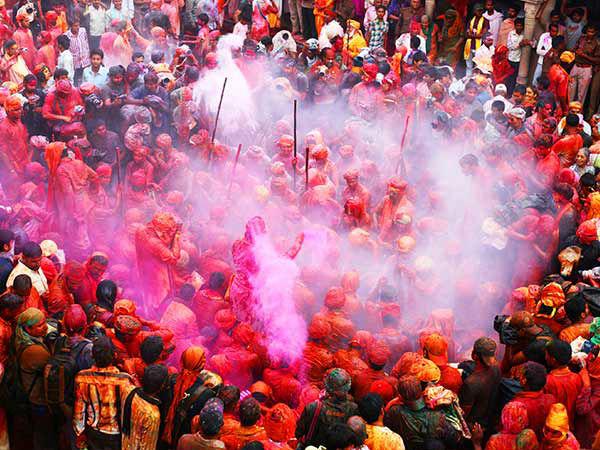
(59, 376)
(14, 397)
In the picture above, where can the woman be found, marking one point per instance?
(582, 165)
(260, 25)
(430, 31)
(501, 68)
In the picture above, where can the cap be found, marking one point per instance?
(519, 113)
(567, 57)
(521, 320)
(485, 348)
(436, 347)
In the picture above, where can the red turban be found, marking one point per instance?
(74, 272)
(75, 318)
(225, 319)
(51, 16)
(45, 37)
(384, 389)
(63, 87)
(378, 353)
(87, 88)
(362, 339)
(514, 417)
(128, 325)
(335, 298)
(243, 333)
(280, 423)
(397, 183)
(319, 328)
(370, 70)
(587, 232)
(320, 152)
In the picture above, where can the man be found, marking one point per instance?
(556, 430)
(96, 73)
(154, 97)
(408, 15)
(478, 393)
(7, 242)
(14, 152)
(435, 348)
(65, 56)
(208, 437)
(62, 290)
(60, 104)
(378, 354)
(532, 378)
(336, 407)
(12, 64)
(558, 75)
(141, 414)
(79, 48)
(98, 21)
(587, 61)
(416, 423)
(494, 18)
(477, 28)
(563, 384)
(29, 264)
(544, 45)
(317, 356)
(377, 29)
(97, 396)
(379, 437)
(515, 43)
(507, 25)
(553, 55)
(354, 42)
(24, 39)
(249, 430)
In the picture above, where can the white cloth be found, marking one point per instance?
(280, 44)
(544, 44)
(118, 14)
(487, 106)
(38, 279)
(483, 58)
(495, 19)
(99, 79)
(65, 61)
(514, 49)
(240, 29)
(328, 32)
(98, 20)
(404, 41)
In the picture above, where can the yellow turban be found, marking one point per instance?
(567, 57)
(558, 419)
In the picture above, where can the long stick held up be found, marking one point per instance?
(212, 138)
(235, 163)
(306, 170)
(401, 164)
(295, 147)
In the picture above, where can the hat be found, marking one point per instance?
(338, 381)
(521, 320)
(127, 325)
(519, 113)
(552, 296)
(427, 371)
(567, 57)
(587, 232)
(370, 70)
(354, 24)
(63, 86)
(558, 419)
(436, 347)
(485, 348)
(312, 44)
(378, 353)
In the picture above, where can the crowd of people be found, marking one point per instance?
(336, 225)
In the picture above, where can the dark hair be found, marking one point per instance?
(499, 105)
(60, 72)
(29, 78)
(419, 56)
(63, 41)
(557, 41)
(103, 352)
(587, 180)
(6, 237)
(8, 44)
(555, 12)
(157, 56)
(230, 395)
(469, 159)
(409, 388)
(380, 7)
(521, 89)
(478, 115)
(154, 378)
(444, 72)
(249, 412)
(543, 82)
(100, 259)
(150, 77)
(97, 52)
(575, 307)
(11, 301)
(22, 282)
(253, 445)
(186, 292)
(564, 189)
(106, 293)
(415, 41)
(578, 11)
(560, 351)
(216, 280)
(203, 17)
(211, 421)
(589, 26)
(339, 436)
(572, 120)
(266, 41)
(553, 25)
(519, 21)
(151, 348)
(31, 250)
(192, 73)
(370, 407)
(535, 374)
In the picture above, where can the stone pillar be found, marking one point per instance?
(531, 9)
(430, 8)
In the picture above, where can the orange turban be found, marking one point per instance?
(280, 423)
(319, 328)
(335, 298)
(587, 232)
(552, 296)
(124, 307)
(558, 419)
(406, 364)
(427, 371)
(12, 103)
(193, 359)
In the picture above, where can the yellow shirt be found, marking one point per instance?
(382, 438)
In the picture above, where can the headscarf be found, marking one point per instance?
(127, 325)
(501, 68)
(28, 318)
(75, 318)
(280, 423)
(558, 420)
(527, 440)
(514, 417)
(193, 360)
(587, 232)
(338, 381)
(453, 30)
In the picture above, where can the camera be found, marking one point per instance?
(94, 100)
(322, 71)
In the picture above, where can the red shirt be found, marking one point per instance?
(559, 83)
(538, 405)
(565, 386)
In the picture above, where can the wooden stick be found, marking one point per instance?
(212, 139)
(295, 147)
(401, 164)
(306, 170)
(235, 163)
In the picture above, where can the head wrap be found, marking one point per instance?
(378, 353)
(567, 57)
(407, 364)
(397, 183)
(552, 296)
(28, 318)
(157, 32)
(587, 232)
(280, 423)
(519, 113)
(319, 328)
(127, 325)
(338, 381)
(164, 222)
(12, 103)
(384, 389)
(51, 16)
(63, 87)
(124, 307)
(193, 359)
(527, 440)
(75, 318)
(320, 152)
(370, 70)
(514, 417)
(558, 419)
(436, 346)
(225, 319)
(74, 272)
(427, 371)
(354, 24)
(352, 174)
(405, 244)
(335, 298)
